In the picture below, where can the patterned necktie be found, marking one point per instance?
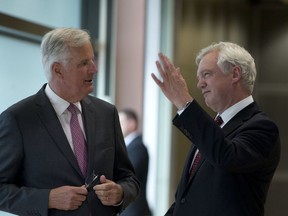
(79, 144)
(194, 164)
(219, 121)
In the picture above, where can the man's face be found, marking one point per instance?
(124, 122)
(216, 86)
(77, 73)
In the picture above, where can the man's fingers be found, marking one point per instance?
(160, 68)
(158, 82)
(167, 64)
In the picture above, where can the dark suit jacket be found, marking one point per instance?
(36, 156)
(139, 157)
(237, 165)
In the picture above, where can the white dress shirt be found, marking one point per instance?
(130, 137)
(60, 106)
(228, 114)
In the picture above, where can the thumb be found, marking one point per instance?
(103, 179)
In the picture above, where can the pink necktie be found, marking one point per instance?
(80, 148)
(218, 120)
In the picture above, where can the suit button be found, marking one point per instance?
(183, 200)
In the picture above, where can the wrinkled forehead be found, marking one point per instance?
(207, 63)
(80, 52)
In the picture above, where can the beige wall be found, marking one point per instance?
(199, 23)
(270, 44)
(130, 37)
(263, 30)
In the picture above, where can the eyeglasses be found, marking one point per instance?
(91, 180)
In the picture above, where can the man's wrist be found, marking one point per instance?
(185, 106)
(120, 203)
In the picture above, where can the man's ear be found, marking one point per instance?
(57, 69)
(237, 73)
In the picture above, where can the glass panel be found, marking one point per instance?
(53, 13)
(21, 72)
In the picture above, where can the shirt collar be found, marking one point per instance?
(130, 137)
(59, 104)
(229, 113)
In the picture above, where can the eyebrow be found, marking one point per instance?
(84, 61)
(204, 71)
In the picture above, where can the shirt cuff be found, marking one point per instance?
(118, 204)
(183, 108)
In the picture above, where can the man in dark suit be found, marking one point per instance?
(230, 167)
(40, 173)
(139, 157)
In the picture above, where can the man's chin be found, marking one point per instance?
(90, 90)
(208, 104)
(89, 87)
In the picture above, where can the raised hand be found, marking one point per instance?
(173, 85)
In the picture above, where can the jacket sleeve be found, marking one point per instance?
(15, 199)
(248, 142)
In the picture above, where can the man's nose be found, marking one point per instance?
(92, 67)
(200, 83)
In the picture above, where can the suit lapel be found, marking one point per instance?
(89, 114)
(241, 117)
(51, 123)
(188, 164)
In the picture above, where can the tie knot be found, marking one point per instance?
(218, 120)
(72, 109)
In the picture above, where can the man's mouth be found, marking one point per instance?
(205, 93)
(89, 81)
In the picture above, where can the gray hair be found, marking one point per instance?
(230, 55)
(56, 43)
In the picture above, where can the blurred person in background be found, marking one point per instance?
(232, 160)
(139, 157)
(62, 150)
